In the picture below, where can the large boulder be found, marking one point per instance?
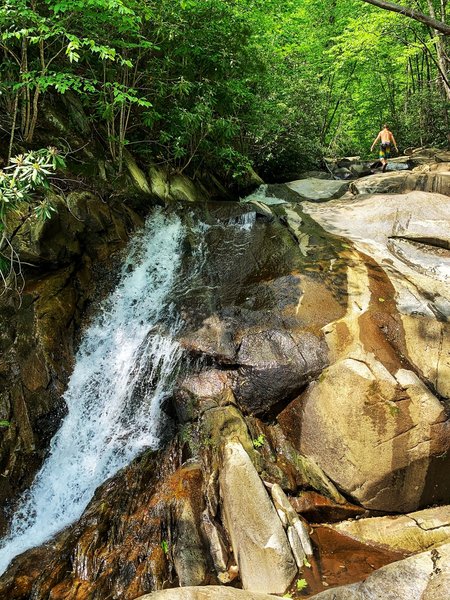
(260, 545)
(318, 190)
(274, 365)
(269, 366)
(377, 436)
(425, 576)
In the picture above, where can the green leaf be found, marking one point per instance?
(259, 441)
(301, 584)
(165, 546)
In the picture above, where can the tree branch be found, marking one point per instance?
(412, 14)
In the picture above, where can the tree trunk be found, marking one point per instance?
(441, 53)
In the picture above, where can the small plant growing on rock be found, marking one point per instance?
(259, 441)
(165, 547)
(301, 584)
(5, 423)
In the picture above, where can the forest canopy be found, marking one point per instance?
(225, 84)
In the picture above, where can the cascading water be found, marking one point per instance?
(124, 369)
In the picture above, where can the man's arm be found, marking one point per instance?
(375, 141)
(393, 139)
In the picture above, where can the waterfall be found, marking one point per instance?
(245, 221)
(124, 368)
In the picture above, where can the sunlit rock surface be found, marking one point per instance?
(260, 545)
(376, 435)
(414, 532)
(425, 576)
(398, 183)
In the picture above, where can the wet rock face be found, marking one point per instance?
(261, 323)
(422, 577)
(38, 331)
(135, 535)
(274, 366)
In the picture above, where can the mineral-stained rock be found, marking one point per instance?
(343, 559)
(260, 545)
(408, 236)
(425, 576)
(210, 592)
(316, 508)
(140, 531)
(189, 555)
(378, 437)
(414, 532)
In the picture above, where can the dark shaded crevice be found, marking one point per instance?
(433, 242)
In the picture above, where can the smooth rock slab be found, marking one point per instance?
(415, 532)
(425, 576)
(399, 183)
(409, 236)
(318, 190)
(209, 592)
(259, 543)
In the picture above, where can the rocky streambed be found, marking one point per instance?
(308, 443)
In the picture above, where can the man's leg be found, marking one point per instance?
(387, 154)
(382, 158)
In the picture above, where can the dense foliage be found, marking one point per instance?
(225, 84)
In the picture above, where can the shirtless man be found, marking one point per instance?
(387, 139)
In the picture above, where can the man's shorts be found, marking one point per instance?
(385, 150)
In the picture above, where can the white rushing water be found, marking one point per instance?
(124, 369)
